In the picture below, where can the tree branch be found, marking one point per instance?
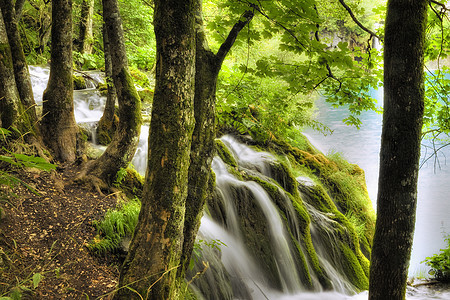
(258, 8)
(231, 38)
(352, 15)
(442, 5)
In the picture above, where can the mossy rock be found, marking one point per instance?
(132, 184)
(225, 154)
(103, 89)
(79, 83)
(140, 78)
(106, 129)
(146, 95)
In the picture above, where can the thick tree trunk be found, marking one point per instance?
(85, 39)
(9, 97)
(400, 147)
(108, 122)
(123, 146)
(21, 74)
(58, 122)
(154, 257)
(207, 67)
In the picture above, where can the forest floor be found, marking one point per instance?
(43, 238)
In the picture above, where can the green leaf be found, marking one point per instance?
(37, 277)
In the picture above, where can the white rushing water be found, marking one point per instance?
(237, 259)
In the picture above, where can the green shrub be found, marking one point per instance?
(440, 263)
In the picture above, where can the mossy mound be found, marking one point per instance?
(146, 95)
(329, 216)
(79, 83)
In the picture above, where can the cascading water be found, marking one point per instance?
(264, 266)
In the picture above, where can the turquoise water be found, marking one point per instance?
(362, 147)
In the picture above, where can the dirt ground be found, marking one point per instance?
(43, 239)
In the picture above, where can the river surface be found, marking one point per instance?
(362, 147)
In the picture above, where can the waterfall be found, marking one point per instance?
(262, 253)
(264, 264)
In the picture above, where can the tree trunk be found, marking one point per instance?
(58, 122)
(21, 74)
(124, 143)
(108, 122)
(9, 98)
(154, 256)
(400, 147)
(86, 37)
(207, 67)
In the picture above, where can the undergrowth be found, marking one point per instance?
(117, 224)
(440, 263)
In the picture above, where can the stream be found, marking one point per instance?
(432, 220)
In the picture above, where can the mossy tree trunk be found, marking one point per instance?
(21, 74)
(86, 38)
(59, 129)
(108, 121)
(207, 67)
(400, 147)
(9, 97)
(155, 251)
(124, 143)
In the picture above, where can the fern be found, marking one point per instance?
(116, 225)
(22, 161)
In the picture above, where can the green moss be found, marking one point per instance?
(132, 184)
(353, 269)
(225, 154)
(103, 89)
(146, 95)
(79, 83)
(5, 55)
(139, 77)
(106, 129)
(133, 113)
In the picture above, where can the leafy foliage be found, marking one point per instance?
(116, 225)
(18, 160)
(440, 263)
(199, 245)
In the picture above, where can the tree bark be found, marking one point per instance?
(207, 67)
(86, 37)
(58, 122)
(9, 98)
(400, 147)
(124, 143)
(154, 256)
(108, 122)
(21, 74)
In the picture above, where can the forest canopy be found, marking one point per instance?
(287, 56)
